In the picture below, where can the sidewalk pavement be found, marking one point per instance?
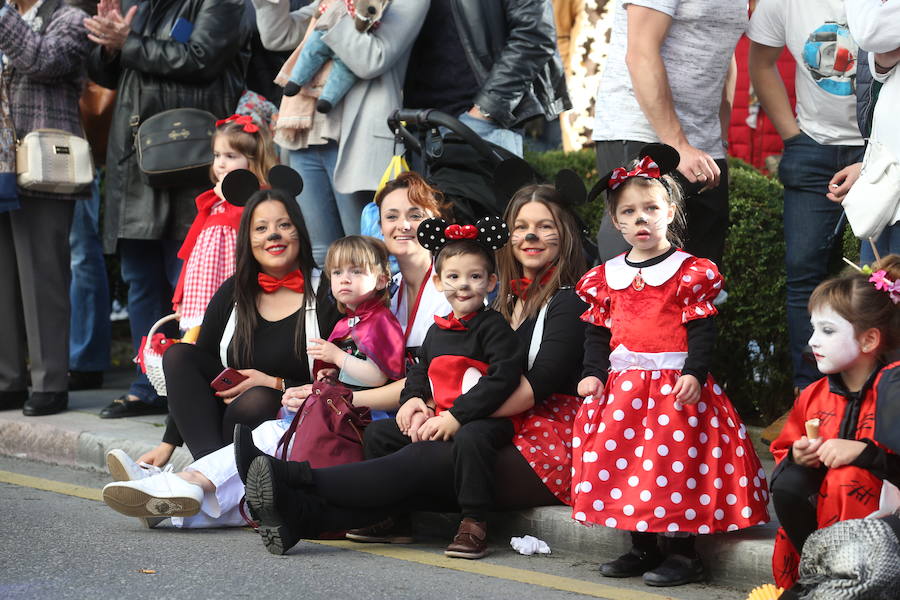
(80, 438)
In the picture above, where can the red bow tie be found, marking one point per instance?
(451, 322)
(646, 169)
(519, 287)
(292, 281)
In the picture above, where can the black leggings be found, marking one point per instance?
(792, 487)
(205, 423)
(420, 476)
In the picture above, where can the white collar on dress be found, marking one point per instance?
(619, 274)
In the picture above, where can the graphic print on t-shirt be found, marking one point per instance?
(830, 56)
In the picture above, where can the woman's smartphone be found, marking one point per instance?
(227, 379)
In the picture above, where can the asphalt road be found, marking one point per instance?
(56, 544)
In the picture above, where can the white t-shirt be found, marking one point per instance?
(697, 52)
(816, 34)
(431, 303)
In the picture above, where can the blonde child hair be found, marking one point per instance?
(364, 252)
(253, 142)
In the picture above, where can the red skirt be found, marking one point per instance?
(544, 437)
(643, 462)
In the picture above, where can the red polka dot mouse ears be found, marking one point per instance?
(654, 161)
(240, 184)
(490, 232)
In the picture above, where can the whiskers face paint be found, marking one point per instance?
(534, 238)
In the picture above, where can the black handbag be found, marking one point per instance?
(174, 147)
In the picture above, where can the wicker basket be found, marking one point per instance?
(153, 360)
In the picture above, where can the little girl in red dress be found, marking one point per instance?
(208, 250)
(658, 450)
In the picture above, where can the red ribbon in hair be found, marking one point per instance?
(292, 281)
(246, 120)
(646, 169)
(461, 232)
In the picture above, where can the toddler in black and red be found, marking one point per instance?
(468, 365)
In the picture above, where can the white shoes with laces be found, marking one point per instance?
(148, 492)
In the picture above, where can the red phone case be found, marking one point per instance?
(227, 379)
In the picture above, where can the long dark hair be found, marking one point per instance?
(246, 284)
(569, 264)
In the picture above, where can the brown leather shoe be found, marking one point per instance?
(388, 531)
(470, 541)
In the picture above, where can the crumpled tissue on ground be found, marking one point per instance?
(529, 545)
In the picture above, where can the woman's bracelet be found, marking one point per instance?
(279, 383)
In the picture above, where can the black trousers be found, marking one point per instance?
(792, 488)
(474, 452)
(706, 213)
(203, 421)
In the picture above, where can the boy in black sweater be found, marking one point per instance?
(468, 365)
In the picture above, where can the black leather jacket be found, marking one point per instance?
(511, 47)
(153, 73)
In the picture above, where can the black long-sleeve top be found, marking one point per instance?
(487, 339)
(558, 364)
(273, 341)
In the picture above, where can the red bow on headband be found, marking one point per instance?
(246, 120)
(461, 232)
(646, 169)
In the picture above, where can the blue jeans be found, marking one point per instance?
(887, 243)
(810, 238)
(491, 132)
(328, 213)
(90, 328)
(150, 269)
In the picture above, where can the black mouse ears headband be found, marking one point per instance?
(655, 161)
(239, 185)
(515, 173)
(490, 232)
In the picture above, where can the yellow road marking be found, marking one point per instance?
(566, 584)
(69, 489)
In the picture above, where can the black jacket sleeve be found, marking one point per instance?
(559, 361)
(881, 464)
(596, 352)
(217, 36)
(530, 44)
(701, 340)
(502, 353)
(417, 385)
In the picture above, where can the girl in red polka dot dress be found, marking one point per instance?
(658, 450)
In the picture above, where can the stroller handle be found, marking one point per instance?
(430, 117)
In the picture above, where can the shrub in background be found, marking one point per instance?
(752, 360)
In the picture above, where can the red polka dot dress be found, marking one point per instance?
(642, 461)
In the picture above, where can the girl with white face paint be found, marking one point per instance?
(842, 437)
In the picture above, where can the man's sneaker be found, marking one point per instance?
(162, 495)
(388, 531)
(122, 468)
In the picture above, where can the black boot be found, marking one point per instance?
(682, 564)
(285, 515)
(643, 556)
(293, 474)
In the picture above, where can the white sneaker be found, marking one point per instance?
(122, 468)
(162, 495)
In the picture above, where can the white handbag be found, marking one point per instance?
(54, 161)
(873, 202)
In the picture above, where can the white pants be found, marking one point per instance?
(220, 508)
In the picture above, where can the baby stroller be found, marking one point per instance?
(455, 160)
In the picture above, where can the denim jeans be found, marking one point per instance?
(491, 132)
(150, 269)
(810, 220)
(887, 243)
(329, 214)
(90, 328)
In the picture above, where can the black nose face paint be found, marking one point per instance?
(530, 237)
(641, 221)
(274, 237)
